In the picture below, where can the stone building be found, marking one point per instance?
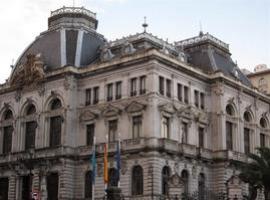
(183, 112)
(260, 78)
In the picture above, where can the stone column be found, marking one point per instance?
(12, 188)
(43, 188)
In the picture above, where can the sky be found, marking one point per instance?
(243, 24)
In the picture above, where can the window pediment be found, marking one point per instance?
(168, 107)
(88, 116)
(111, 111)
(135, 107)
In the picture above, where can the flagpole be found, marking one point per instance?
(93, 168)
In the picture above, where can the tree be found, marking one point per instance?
(257, 172)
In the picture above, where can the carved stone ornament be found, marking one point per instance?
(128, 48)
(88, 116)
(111, 111)
(168, 107)
(175, 181)
(234, 181)
(135, 107)
(29, 73)
(124, 167)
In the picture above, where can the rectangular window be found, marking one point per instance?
(262, 140)
(118, 90)
(247, 140)
(90, 133)
(96, 95)
(136, 126)
(196, 98)
(186, 94)
(229, 135)
(112, 130)
(165, 127)
(201, 137)
(202, 100)
(110, 92)
(30, 133)
(168, 88)
(7, 139)
(88, 96)
(142, 85)
(179, 92)
(133, 87)
(161, 85)
(185, 133)
(55, 131)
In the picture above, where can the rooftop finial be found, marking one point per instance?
(144, 25)
(201, 31)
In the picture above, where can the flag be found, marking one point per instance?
(118, 160)
(93, 162)
(106, 176)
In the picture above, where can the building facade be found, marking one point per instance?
(183, 112)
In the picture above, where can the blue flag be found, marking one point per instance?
(93, 163)
(118, 160)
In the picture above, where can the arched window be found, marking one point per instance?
(165, 180)
(30, 128)
(137, 180)
(230, 110)
(88, 185)
(247, 116)
(184, 176)
(7, 132)
(113, 177)
(55, 124)
(263, 122)
(201, 186)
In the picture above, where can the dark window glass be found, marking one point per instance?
(168, 88)
(247, 116)
(109, 92)
(263, 123)
(55, 131)
(184, 176)
(165, 129)
(133, 87)
(31, 110)
(137, 180)
(262, 140)
(30, 134)
(185, 133)
(90, 132)
(179, 92)
(52, 186)
(26, 187)
(137, 126)
(118, 90)
(186, 94)
(201, 137)
(202, 100)
(165, 180)
(88, 93)
(113, 177)
(8, 115)
(229, 135)
(247, 140)
(201, 187)
(142, 84)
(4, 188)
(112, 130)
(196, 98)
(96, 95)
(7, 139)
(88, 185)
(56, 104)
(229, 110)
(161, 85)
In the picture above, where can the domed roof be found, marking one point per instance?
(71, 39)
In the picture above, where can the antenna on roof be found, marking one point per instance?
(201, 31)
(144, 25)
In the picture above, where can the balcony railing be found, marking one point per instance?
(75, 10)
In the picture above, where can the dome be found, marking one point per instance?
(71, 39)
